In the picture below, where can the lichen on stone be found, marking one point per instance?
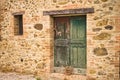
(102, 36)
(102, 22)
(92, 71)
(100, 51)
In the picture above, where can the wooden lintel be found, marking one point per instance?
(18, 13)
(69, 11)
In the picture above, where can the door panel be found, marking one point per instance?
(78, 42)
(61, 28)
(61, 42)
(60, 56)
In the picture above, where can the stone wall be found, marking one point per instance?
(32, 53)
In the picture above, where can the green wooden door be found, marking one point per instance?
(70, 43)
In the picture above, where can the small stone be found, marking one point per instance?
(109, 27)
(57, 6)
(38, 26)
(80, 1)
(99, 10)
(90, 78)
(97, 29)
(3, 52)
(108, 58)
(102, 36)
(21, 60)
(100, 51)
(102, 22)
(96, 18)
(65, 79)
(104, 0)
(101, 73)
(110, 75)
(110, 8)
(38, 78)
(62, 2)
(73, 2)
(92, 71)
(54, 1)
(100, 67)
(96, 2)
(41, 65)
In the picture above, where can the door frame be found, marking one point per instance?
(82, 71)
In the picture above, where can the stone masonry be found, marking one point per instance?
(32, 52)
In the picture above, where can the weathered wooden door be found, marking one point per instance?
(70, 43)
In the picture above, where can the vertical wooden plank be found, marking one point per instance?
(73, 56)
(68, 56)
(81, 58)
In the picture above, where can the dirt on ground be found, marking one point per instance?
(15, 76)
